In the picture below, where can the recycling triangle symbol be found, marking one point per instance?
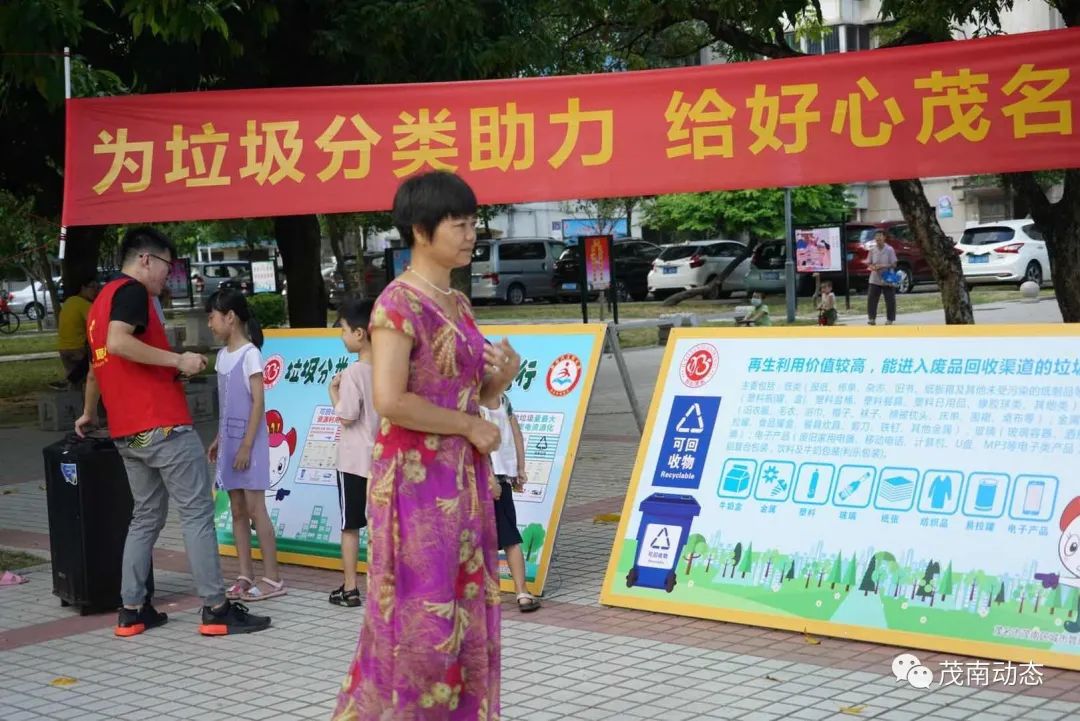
(691, 422)
(662, 542)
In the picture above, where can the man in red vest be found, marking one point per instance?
(137, 375)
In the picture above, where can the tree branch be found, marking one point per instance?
(1026, 185)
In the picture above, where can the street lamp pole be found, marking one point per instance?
(789, 262)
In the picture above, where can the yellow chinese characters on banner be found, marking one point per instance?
(714, 124)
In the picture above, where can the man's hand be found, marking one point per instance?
(243, 458)
(191, 363)
(85, 423)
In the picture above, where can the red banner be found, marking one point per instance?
(979, 106)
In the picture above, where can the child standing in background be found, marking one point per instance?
(354, 402)
(827, 304)
(508, 465)
(241, 449)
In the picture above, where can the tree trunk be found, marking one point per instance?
(81, 255)
(629, 217)
(1060, 224)
(937, 248)
(1021, 604)
(298, 241)
(713, 288)
(335, 231)
(50, 286)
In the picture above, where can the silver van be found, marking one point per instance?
(513, 269)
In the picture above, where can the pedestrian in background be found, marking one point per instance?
(882, 265)
(71, 339)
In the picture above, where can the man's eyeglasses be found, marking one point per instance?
(166, 262)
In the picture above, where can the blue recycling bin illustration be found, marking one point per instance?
(665, 526)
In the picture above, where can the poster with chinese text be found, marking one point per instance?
(818, 250)
(549, 396)
(913, 487)
(597, 250)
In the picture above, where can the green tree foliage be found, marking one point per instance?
(746, 565)
(532, 540)
(868, 586)
(756, 213)
(849, 573)
(696, 546)
(945, 588)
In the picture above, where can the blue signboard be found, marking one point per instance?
(686, 441)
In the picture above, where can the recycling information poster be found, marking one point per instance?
(549, 395)
(915, 487)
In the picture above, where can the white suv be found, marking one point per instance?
(696, 263)
(1009, 251)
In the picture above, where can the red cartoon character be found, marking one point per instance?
(282, 447)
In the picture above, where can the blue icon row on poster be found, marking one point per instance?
(934, 491)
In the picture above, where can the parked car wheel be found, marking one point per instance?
(639, 295)
(515, 294)
(34, 311)
(1034, 273)
(907, 280)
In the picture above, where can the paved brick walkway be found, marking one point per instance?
(574, 659)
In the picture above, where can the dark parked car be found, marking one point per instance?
(372, 277)
(633, 261)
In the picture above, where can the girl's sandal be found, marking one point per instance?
(277, 588)
(527, 602)
(236, 591)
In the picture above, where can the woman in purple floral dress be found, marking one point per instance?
(429, 647)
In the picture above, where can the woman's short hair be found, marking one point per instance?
(426, 200)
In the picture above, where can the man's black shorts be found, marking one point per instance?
(352, 496)
(506, 516)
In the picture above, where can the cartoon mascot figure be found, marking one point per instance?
(282, 447)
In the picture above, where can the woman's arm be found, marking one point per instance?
(394, 402)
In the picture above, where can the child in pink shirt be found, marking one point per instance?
(354, 402)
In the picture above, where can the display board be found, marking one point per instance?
(597, 254)
(818, 250)
(550, 396)
(263, 276)
(910, 487)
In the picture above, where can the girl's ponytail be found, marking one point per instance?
(254, 331)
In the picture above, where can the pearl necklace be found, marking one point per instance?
(431, 285)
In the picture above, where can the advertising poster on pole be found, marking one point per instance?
(597, 261)
(549, 395)
(818, 250)
(263, 276)
(179, 280)
(911, 488)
